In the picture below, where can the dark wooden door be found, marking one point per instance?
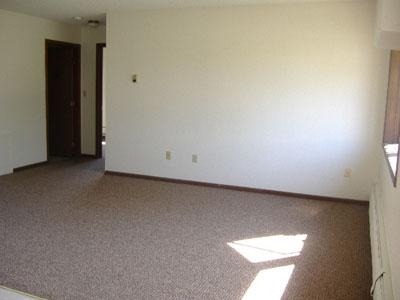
(61, 101)
(99, 98)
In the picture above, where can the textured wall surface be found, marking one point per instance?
(282, 97)
(390, 208)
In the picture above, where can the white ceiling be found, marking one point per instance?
(65, 10)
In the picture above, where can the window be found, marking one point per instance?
(391, 133)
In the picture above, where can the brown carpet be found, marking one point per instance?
(70, 232)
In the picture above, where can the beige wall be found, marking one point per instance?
(22, 85)
(280, 97)
(90, 37)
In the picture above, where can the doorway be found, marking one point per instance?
(100, 101)
(63, 91)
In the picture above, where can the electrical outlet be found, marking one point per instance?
(194, 158)
(168, 155)
(347, 173)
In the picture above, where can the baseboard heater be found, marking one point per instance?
(381, 280)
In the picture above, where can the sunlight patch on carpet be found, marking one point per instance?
(269, 248)
(269, 284)
(10, 294)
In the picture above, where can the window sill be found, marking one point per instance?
(392, 157)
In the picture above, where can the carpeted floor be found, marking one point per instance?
(70, 232)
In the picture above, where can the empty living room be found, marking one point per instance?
(199, 149)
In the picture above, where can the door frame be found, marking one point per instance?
(77, 92)
(99, 98)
